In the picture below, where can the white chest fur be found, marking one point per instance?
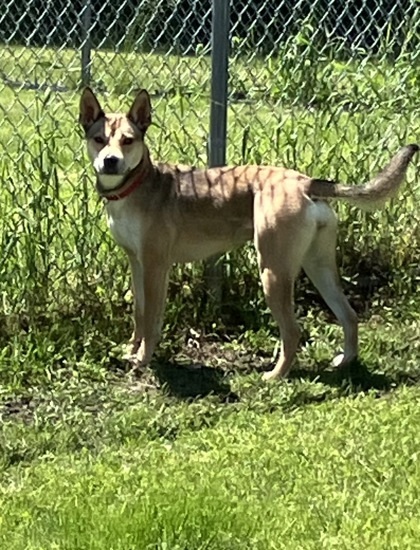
(124, 226)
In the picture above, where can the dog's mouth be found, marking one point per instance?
(111, 171)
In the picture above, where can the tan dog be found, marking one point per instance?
(161, 214)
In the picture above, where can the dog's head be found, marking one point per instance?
(115, 141)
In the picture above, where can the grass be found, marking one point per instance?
(199, 452)
(343, 473)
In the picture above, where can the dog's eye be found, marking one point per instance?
(127, 141)
(99, 139)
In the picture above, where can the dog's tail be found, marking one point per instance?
(371, 195)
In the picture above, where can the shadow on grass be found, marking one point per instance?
(194, 380)
(356, 377)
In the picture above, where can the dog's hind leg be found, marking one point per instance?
(280, 251)
(320, 265)
(278, 289)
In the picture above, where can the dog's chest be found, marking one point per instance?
(125, 228)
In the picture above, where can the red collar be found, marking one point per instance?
(123, 191)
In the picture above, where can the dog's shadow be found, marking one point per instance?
(355, 378)
(194, 380)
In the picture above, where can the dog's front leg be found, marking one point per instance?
(156, 277)
(137, 279)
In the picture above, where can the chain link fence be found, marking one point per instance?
(328, 87)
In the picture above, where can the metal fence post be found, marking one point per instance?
(86, 43)
(218, 119)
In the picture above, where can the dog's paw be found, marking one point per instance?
(132, 360)
(269, 375)
(342, 361)
(128, 354)
(133, 346)
(137, 356)
(136, 367)
(130, 350)
(273, 374)
(338, 360)
(142, 361)
(144, 354)
(132, 357)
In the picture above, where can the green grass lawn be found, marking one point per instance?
(199, 453)
(344, 473)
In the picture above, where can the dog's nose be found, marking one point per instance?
(111, 164)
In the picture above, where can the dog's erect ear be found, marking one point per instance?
(90, 109)
(141, 111)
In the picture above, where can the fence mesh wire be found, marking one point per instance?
(328, 87)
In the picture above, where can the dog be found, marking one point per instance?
(161, 214)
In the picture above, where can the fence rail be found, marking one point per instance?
(328, 87)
